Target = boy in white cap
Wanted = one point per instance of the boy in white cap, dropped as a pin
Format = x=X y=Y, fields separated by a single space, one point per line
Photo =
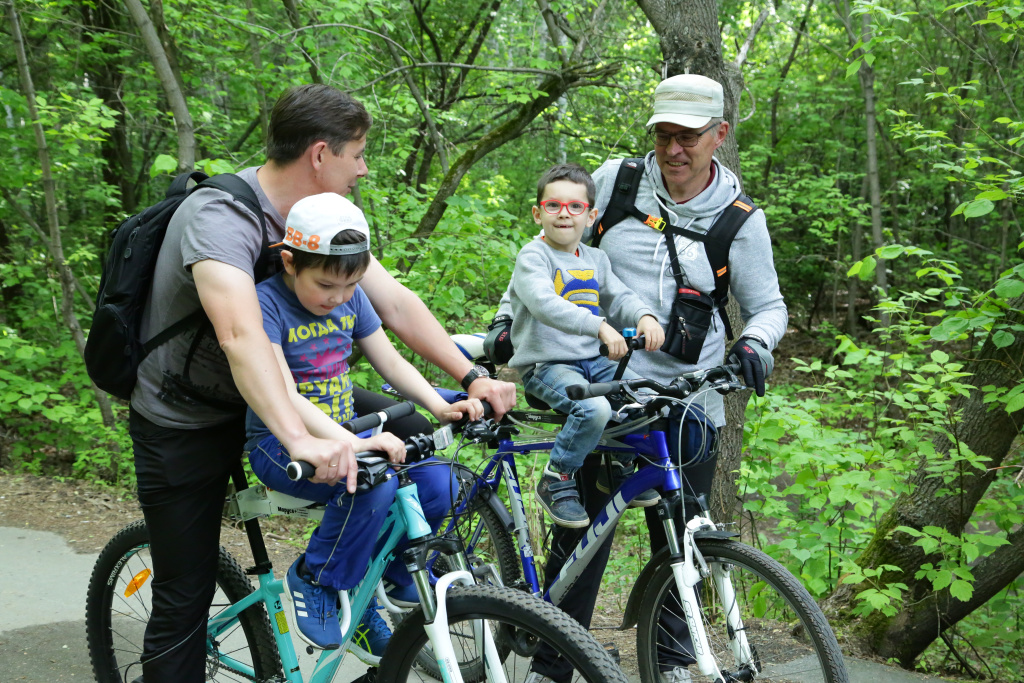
x=681 y=191
x=312 y=313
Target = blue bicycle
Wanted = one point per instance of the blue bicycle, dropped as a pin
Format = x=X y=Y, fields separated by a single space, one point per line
x=747 y=618
x=460 y=631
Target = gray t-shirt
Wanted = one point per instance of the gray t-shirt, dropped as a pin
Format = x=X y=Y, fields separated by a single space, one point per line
x=207 y=225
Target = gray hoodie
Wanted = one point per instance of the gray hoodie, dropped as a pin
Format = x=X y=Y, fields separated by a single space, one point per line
x=639 y=258
x=557 y=299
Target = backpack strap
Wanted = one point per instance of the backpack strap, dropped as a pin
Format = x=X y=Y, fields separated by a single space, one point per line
x=717 y=244
x=623 y=200
x=241 y=192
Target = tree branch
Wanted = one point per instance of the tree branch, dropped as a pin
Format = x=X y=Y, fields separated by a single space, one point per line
x=169 y=81
x=741 y=57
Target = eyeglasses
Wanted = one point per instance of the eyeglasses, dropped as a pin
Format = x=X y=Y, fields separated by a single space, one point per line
x=555 y=206
x=661 y=138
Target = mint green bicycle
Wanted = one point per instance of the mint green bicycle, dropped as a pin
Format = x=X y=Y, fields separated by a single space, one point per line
x=460 y=632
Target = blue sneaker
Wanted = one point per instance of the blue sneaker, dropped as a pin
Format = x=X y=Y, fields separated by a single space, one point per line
x=314 y=609
x=401 y=596
x=371 y=636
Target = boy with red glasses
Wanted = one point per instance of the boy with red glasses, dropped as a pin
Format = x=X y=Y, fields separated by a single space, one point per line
x=559 y=290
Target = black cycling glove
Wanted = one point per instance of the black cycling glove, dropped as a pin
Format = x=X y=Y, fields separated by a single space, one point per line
x=755 y=361
x=498 y=343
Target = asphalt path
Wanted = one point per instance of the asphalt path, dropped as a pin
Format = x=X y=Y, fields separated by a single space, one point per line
x=42 y=617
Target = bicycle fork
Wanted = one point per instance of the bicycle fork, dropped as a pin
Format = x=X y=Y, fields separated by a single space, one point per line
x=688 y=573
x=434 y=600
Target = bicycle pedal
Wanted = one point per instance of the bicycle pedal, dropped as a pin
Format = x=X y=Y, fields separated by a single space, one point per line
x=613 y=651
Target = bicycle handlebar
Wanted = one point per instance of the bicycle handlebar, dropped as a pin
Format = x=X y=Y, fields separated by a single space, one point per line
x=632 y=343
x=681 y=387
x=371 y=466
x=395 y=412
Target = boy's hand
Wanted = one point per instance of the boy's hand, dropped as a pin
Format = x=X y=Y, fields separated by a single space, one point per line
x=652 y=331
x=386 y=442
x=333 y=460
x=471 y=407
x=613 y=340
x=501 y=395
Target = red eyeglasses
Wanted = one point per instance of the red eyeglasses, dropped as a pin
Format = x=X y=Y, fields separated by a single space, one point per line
x=555 y=206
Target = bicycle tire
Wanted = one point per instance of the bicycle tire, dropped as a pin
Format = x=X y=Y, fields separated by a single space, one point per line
x=786 y=629
x=526 y=619
x=116 y=622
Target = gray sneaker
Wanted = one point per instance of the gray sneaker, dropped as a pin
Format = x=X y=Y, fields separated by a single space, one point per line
x=620 y=471
x=680 y=674
x=559 y=496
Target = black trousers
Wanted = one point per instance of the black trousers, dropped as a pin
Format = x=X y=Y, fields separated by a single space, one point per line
x=182 y=478
x=579 y=601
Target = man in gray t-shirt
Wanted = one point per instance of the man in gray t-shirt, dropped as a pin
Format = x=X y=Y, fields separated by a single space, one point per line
x=187 y=410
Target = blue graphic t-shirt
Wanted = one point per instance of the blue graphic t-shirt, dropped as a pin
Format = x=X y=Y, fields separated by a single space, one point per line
x=316 y=348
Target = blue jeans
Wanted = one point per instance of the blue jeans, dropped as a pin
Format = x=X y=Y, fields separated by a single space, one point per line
x=587 y=418
x=340 y=549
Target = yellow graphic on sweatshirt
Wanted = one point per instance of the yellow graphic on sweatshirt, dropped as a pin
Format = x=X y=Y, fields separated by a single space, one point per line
x=579 y=287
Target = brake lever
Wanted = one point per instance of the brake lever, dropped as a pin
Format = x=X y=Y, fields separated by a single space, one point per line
x=479 y=430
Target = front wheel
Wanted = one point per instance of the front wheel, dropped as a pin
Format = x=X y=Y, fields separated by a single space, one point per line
x=119 y=602
x=526 y=624
x=789 y=637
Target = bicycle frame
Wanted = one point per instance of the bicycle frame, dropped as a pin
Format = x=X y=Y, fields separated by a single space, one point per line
x=688 y=565
x=405 y=516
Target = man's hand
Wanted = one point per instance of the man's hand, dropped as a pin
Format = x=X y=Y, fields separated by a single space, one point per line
x=610 y=337
x=501 y=395
x=755 y=361
x=334 y=460
x=652 y=331
x=386 y=442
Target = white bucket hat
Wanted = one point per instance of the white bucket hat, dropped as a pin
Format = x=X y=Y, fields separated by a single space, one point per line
x=315 y=220
x=687 y=100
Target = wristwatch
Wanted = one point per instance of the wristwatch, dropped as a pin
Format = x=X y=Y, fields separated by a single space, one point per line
x=760 y=341
x=475 y=373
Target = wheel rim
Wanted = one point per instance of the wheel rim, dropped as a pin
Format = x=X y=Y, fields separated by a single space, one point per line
x=130 y=609
x=777 y=634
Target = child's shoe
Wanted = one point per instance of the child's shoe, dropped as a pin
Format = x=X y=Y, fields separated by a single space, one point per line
x=314 y=608
x=371 y=636
x=620 y=471
x=401 y=596
x=559 y=496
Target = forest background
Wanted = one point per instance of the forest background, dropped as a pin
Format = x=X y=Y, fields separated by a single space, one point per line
x=882 y=139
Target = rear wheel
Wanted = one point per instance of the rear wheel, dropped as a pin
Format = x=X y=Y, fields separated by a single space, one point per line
x=789 y=637
x=118 y=606
x=522 y=621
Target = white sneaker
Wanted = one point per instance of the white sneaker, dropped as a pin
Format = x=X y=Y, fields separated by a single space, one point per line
x=535 y=677
x=680 y=674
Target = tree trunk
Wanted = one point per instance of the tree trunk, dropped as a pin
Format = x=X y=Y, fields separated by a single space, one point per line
x=106 y=76
x=690 y=39
x=49 y=191
x=170 y=81
x=867 y=82
x=988 y=432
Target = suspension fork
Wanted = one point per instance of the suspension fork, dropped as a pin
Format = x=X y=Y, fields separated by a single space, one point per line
x=521 y=530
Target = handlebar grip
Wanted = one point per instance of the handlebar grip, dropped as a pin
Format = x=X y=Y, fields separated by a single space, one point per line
x=395 y=412
x=633 y=343
x=578 y=392
x=299 y=469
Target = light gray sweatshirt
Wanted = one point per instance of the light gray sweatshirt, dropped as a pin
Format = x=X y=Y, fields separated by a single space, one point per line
x=557 y=298
x=639 y=257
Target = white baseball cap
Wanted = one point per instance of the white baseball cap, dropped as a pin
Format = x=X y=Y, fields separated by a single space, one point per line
x=315 y=220
x=687 y=100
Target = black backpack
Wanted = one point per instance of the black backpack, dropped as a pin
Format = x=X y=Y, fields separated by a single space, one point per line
x=717 y=241
x=114 y=348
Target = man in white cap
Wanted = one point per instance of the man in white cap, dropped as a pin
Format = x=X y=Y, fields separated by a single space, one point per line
x=719 y=243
